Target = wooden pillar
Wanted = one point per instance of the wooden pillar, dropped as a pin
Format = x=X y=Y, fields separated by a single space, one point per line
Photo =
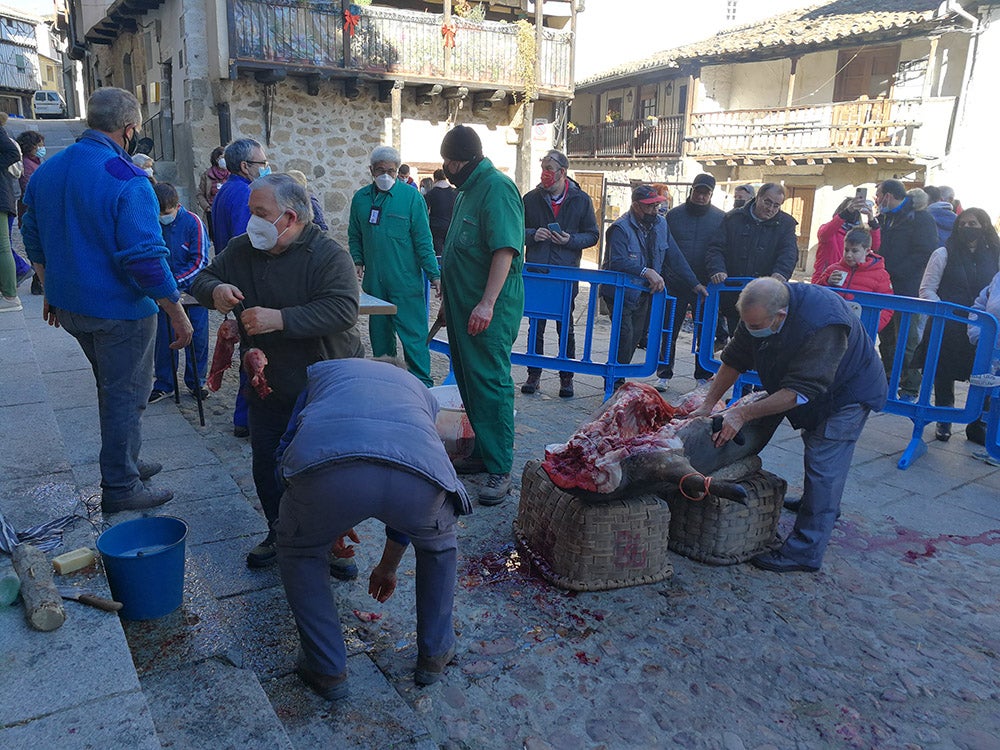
x=692 y=101
x=932 y=64
x=396 y=102
x=791 y=82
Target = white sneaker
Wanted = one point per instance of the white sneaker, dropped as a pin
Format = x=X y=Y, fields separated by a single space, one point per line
x=662 y=384
x=986 y=457
x=10 y=304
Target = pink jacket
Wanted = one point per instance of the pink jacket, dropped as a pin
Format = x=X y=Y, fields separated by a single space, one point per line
x=830 y=247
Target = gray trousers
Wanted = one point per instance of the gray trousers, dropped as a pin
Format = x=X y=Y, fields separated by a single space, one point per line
x=320 y=506
x=826 y=458
x=120 y=353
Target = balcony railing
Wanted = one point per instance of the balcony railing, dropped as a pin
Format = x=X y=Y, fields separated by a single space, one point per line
x=867 y=126
x=388 y=41
x=629 y=138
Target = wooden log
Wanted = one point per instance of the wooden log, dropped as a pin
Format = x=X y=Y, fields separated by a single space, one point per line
x=42 y=602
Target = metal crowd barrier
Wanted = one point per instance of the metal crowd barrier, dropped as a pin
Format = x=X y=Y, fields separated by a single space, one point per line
x=921 y=412
x=548 y=295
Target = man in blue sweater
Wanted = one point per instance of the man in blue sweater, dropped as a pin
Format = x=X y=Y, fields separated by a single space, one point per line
x=246 y=161
x=92 y=233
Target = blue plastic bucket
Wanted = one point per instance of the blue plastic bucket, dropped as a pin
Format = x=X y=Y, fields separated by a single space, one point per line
x=144 y=560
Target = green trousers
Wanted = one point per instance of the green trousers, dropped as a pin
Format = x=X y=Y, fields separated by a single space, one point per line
x=410 y=324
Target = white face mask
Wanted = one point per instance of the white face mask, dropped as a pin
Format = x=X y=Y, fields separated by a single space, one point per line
x=384 y=182
x=167 y=218
x=149 y=172
x=222 y=163
x=263 y=234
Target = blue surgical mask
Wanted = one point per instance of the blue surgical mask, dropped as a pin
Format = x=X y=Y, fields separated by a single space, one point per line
x=166 y=219
x=40 y=152
x=763 y=333
x=264 y=171
x=760 y=333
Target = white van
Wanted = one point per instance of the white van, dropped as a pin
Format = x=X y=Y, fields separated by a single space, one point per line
x=49 y=104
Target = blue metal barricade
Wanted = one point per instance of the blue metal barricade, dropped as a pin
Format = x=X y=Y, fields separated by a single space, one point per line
x=548 y=295
x=912 y=311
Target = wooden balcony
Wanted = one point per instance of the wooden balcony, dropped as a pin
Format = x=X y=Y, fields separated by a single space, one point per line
x=388 y=43
x=877 y=127
x=628 y=139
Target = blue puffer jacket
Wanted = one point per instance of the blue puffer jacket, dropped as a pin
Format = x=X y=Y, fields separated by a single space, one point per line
x=358 y=409
x=628 y=250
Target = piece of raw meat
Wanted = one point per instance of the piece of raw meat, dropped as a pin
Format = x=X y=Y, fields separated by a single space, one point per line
x=254 y=362
x=222 y=358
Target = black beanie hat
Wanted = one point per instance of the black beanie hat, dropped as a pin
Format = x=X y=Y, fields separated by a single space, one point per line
x=461 y=143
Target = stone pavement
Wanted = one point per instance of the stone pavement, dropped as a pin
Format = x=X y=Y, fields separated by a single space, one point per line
x=895 y=643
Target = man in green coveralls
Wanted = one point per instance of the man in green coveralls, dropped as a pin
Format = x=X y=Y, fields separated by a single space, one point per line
x=483 y=302
x=390 y=240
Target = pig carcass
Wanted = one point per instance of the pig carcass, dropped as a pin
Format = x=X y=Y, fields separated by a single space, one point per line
x=639 y=444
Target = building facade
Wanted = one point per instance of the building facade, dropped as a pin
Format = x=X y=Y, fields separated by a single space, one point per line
x=19 y=66
x=822 y=100
x=322 y=83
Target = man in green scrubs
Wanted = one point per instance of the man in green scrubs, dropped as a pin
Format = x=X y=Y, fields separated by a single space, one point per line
x=483 y=302
x=390 y=240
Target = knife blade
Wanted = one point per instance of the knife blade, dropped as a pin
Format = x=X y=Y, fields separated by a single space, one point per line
x=92 y=600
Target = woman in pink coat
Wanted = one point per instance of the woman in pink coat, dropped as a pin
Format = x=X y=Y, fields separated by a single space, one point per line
x=830 y=247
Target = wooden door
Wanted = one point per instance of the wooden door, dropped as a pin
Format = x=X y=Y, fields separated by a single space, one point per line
x=592 y=184
x=866 y=72
x=799 y=203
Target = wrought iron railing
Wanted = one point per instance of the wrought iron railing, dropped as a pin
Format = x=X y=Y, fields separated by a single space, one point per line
x=657 y=137
x=310 y=34
x=161 y=130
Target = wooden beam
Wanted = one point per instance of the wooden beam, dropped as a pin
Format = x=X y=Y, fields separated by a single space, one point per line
x=730 y=162
x=455 y=92
x=769 y=162
x=789 y=162
x=872 y=160
x=747 y=161
x=851 y=160
x=810 y=161
x=827 y=161
x=396 y=96
x=791 y=82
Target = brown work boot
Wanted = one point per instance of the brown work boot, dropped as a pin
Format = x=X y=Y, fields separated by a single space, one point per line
x=139 y=500
x=531 y=384
x=495 y=490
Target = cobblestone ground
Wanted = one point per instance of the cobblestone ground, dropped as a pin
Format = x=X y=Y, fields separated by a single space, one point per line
x=893 y=644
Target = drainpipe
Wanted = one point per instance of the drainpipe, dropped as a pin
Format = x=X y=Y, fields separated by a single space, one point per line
x=953 y=6
x=970 y=58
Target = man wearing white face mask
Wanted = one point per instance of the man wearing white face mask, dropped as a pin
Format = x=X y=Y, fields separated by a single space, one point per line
x=821 y=370
x=246 y=161
x=389 y=236
x=295 y=294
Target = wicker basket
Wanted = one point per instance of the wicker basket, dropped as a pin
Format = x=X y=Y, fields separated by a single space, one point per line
x=723 y=532
x=591 y=547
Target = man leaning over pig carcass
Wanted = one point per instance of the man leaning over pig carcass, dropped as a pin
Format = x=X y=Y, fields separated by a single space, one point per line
x=822 y=371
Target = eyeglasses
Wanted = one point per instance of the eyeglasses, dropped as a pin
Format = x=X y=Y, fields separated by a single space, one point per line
x=376 y=171
x=261 y=163
x=768 y=203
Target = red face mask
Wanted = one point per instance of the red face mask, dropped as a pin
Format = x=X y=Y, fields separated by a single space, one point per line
x=548 y=179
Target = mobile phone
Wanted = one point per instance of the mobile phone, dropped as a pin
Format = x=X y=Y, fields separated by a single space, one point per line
x=861 y=194
x=554 y=227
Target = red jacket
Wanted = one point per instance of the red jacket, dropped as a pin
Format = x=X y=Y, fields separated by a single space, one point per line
x=869 y=276
x=830 y=247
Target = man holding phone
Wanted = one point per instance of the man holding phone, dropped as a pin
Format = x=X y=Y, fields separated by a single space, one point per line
x=559 y=223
